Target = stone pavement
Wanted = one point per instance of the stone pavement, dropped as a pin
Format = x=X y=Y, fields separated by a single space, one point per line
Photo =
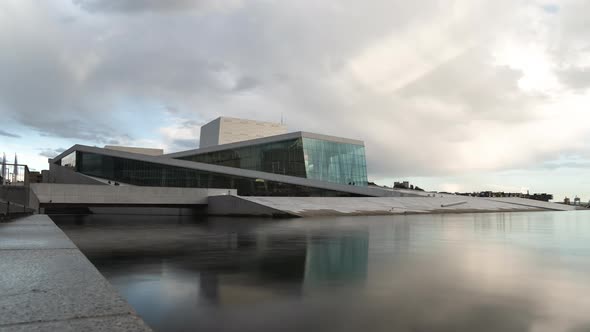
x=318 y=206
x=47 y=284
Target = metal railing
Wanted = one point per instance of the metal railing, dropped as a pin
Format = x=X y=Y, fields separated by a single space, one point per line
x=14 y=191
x=14 y=175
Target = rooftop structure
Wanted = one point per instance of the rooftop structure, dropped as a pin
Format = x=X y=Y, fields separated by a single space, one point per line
x=146 y=151
x=224 y=130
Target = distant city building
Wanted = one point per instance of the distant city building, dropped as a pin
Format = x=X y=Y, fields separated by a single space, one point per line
x=566 y=201
x=35 y=177
x=3 y=175
x=577 y=200
x=539 y=197
x=45 y=176
x=15 y=177
x=406 y=185
x=402 y=185
x=225 y=130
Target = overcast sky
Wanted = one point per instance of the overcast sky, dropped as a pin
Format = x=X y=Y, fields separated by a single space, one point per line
x=452 y=95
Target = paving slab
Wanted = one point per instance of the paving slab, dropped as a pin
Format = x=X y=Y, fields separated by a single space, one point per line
x=125 y=323
x=15 y=235
x=316 y=206
x=47 y=284
x=37 y=219
x=39 y=285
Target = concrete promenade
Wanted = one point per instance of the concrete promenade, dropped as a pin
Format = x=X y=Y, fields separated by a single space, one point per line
x=95 y=195
x=47 y=284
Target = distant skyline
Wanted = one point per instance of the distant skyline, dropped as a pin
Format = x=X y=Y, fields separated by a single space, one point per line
x=451 y=95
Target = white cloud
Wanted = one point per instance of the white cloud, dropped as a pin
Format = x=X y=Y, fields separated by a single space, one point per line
x=181 y=134
x=433 y=87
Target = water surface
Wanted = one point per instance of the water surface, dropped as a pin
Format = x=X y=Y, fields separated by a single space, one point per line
x=464 y=272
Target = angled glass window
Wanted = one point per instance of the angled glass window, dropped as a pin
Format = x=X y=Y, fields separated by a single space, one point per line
x=316 y=159
x=285 y=157
x=69 y=160
x=142 y=173
x=336 y=162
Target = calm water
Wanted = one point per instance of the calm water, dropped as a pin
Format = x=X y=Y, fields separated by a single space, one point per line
x=470 y=272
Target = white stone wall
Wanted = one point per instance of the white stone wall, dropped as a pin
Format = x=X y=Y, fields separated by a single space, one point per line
x=210 y=134
x=145 y=151
x=225 y=130
x=96 y=194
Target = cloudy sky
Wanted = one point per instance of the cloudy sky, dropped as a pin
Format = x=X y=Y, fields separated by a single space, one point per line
x=454 y=95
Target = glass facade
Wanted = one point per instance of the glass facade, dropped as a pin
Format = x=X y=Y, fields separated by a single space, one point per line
x=142 y=173
x=284 y=157
x=315 y=159
x=69 y=160
x=335 y=162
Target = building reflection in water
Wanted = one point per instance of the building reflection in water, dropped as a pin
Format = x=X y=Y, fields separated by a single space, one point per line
x=470 y=272
x=340 y=258
x=170 y=277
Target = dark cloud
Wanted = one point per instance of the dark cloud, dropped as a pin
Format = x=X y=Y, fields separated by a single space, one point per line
x=80 y=130
x=50 y=153
x=171 y=109
x=581 y=164
x=577 y=78
x=192 y=124
x=245 y=83
x=551 y=8
x=492 y=94
x=7 y=134
x=185 y=144
x=134 y=6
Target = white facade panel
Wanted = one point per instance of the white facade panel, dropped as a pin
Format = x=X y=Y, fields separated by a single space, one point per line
x=225 y=130
x=210 y=134
x=145 y=151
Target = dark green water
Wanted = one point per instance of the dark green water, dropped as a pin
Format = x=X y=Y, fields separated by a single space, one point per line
x=466 y=272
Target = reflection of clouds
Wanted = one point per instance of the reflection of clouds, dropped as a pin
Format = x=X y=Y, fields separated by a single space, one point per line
x=168 y=285
x=555 y=292
x=158 y=295
x=337 y=259
x=455 y=274
x=471 y=272
x=176 y=284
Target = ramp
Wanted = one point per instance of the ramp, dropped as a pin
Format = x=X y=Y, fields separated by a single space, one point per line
x=323 y=206
x=229 y=205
